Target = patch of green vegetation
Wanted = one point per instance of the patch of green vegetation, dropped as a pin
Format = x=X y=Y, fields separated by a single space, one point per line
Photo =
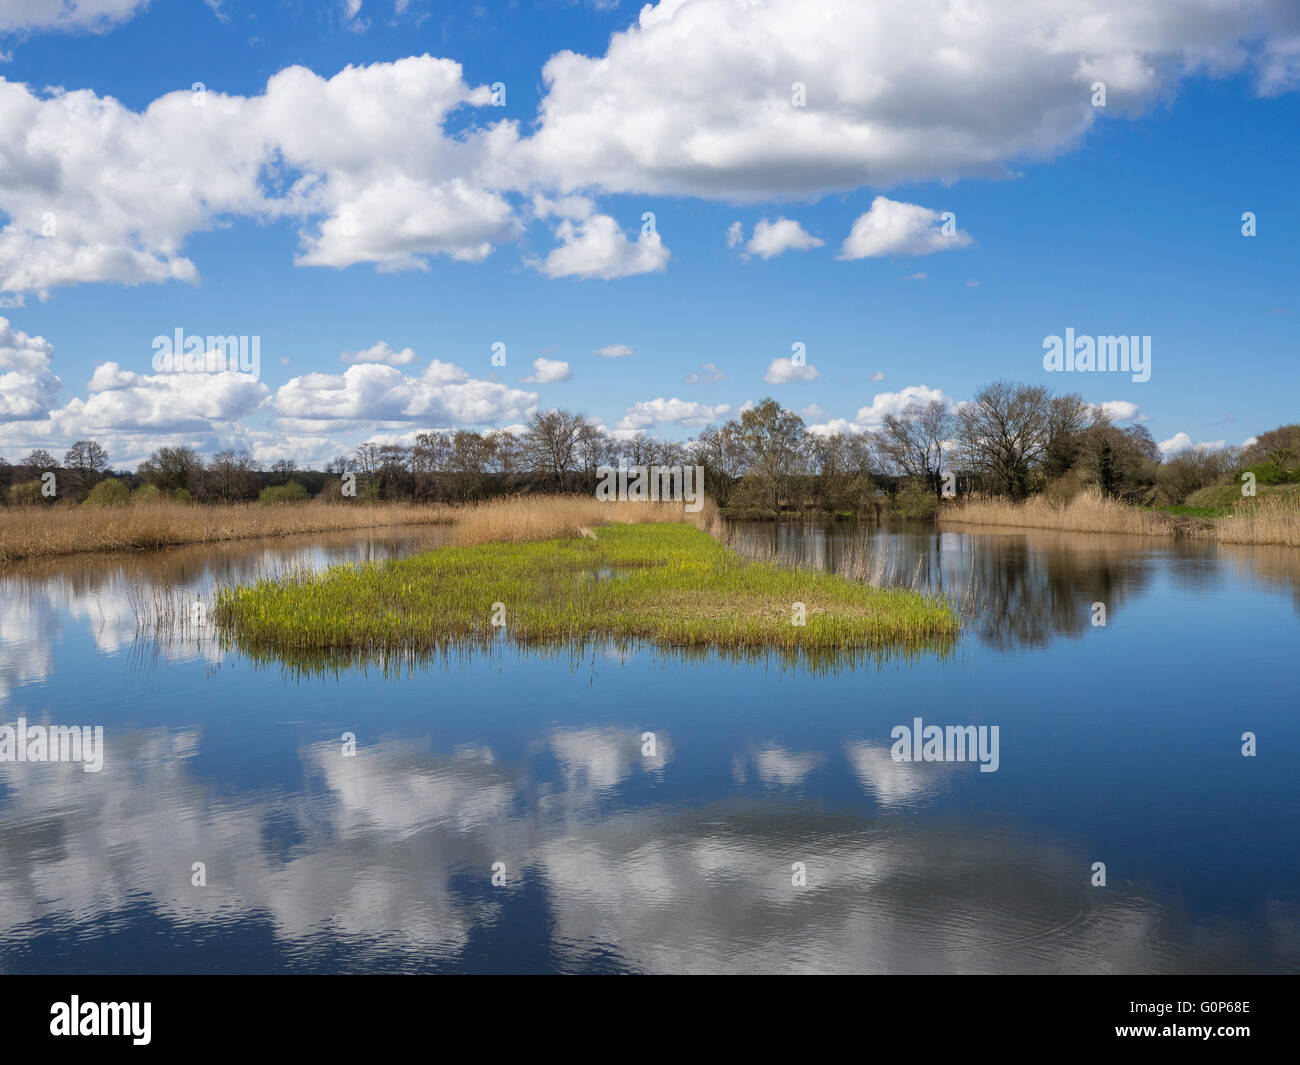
x=1185 y=510
x=667 y=584
x=290 y=492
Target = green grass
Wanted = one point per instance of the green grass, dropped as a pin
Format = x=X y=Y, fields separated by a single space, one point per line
x=667 y=584
x=1185 y=510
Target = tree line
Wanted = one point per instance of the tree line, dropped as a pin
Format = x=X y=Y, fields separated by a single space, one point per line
x=1010 y=440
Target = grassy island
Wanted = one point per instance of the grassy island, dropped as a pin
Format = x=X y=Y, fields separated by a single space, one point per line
x=667 y=583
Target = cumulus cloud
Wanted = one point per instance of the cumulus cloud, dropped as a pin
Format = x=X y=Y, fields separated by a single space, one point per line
x=735 y=235
x=442 y=396
x=548 y=371
x=692 y=99
x=1180 y=442
x=674 y=411
x=95 y=191
x=1120 y=410
x=614 y=351
x=28 y=386
x=871 y=417
x=695 y=97
x=380 y=352
x=784 y=371
x=773 y=238
x=894 y=228
x=596 y=247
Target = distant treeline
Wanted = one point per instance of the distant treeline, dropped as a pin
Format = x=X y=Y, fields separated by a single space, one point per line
x=1011 y=440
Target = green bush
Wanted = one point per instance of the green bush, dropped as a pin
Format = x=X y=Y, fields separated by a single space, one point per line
x=914 y=501
x=26 y=493
x=1271 y=473
x=291 y=492
x=147 y=493
x=109 y=493
x=183 y=495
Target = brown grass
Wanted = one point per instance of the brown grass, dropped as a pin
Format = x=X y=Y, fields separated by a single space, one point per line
x=51 y=531
x=1087 y=512
x=553 y=517
x=44 y=531
x=1272 y=520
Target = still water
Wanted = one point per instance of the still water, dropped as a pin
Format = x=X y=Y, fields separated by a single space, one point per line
x=1119 y=744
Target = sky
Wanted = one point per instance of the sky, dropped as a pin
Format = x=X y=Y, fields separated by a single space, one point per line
x=652 y=216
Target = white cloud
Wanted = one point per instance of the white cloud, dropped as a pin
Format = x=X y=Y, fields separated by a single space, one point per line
x=695 y=98
x=784 y=371
x=380 y=352
x=870 y=418
x=878 y=376
x=773 y=238
x=28 y=386
x=97 y=192
x=596 y=247
x=674 y=411
x=1182 y=442
x=894 y=228
x=46 y=15
x=707 y=374
x=915 y=277
x=1121 y=410
x=548 y=371
x=735 y=235
x=692 y=99
x=614 y=351
x=443 y=395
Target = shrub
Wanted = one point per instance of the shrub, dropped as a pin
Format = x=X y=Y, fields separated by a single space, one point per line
x=183 y=495
x=148 y=493
x=914 y=501
x=26 y=493
x=290 y=492
x=109 y=493
x=1270 y=473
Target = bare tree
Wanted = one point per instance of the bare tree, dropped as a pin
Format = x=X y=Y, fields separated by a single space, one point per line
x=551 y=442
x=1004 y=433
x=87 y=460
x=913 y=442
x=173 y=468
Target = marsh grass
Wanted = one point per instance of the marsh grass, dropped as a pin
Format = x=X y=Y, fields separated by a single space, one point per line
x=43 y=531
x=1272 y=519
x=668 y=584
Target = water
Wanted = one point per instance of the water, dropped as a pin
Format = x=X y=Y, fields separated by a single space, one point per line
x=1118 y=744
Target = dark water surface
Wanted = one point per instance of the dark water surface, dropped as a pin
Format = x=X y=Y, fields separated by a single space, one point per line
x=1119 y=744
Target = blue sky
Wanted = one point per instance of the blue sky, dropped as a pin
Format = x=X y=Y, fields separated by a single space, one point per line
x=442 y=224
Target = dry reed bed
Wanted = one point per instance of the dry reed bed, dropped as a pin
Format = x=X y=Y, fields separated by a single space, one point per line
x=45 y=531
x=1270 y=521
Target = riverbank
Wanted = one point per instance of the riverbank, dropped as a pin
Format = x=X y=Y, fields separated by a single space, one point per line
x=36 y=532
x=1271 y=521
x=33 y=532
x=670 y=583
